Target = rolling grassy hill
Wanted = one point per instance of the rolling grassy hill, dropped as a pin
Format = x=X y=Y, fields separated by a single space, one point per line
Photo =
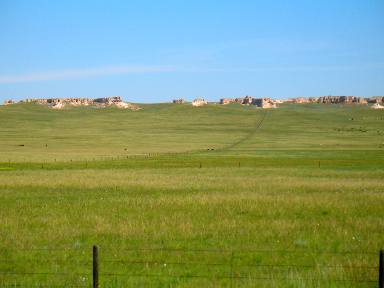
x=177 y=196
x=37 y=133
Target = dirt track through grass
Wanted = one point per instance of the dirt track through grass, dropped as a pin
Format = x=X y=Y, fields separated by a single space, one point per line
x=251 y=134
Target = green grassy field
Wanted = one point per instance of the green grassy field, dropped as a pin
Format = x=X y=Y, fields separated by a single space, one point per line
x=176 y=196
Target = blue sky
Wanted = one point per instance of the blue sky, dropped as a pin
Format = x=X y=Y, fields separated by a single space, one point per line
x=154 y=51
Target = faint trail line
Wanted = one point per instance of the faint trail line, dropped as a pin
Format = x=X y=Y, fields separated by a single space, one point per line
x=257 y=126
x=248 y=136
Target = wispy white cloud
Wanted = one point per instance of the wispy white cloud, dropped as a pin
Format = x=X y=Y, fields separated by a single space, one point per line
x=290 y=68
x=81 y=73
x=111 y=70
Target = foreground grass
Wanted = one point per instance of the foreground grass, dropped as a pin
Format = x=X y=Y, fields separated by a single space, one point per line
x=277 y=209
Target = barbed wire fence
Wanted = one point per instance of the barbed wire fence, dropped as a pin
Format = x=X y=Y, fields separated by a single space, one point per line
x=126 y=267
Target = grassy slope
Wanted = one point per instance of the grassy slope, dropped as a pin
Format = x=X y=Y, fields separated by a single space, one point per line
x=309 y=178
x=95 y=133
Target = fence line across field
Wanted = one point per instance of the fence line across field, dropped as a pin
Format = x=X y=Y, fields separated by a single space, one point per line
x=241 y=265
x=170 y=249
x=100 y=266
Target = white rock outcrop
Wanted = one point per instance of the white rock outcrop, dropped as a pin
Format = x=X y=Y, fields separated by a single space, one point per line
x=199 y=102
x=377 y=106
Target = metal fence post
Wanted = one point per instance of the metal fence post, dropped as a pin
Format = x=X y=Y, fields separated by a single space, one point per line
x=381 y=269
x=95 y=266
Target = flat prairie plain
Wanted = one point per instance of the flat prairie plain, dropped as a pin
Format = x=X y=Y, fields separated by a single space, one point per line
x=178 y=196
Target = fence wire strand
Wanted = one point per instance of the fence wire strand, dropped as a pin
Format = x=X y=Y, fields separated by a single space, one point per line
x=232 y=261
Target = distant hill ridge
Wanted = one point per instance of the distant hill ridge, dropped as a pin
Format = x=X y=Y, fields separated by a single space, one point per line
x=60 y=103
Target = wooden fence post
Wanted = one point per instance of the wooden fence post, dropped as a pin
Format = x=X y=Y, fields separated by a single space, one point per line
x=95 y=266
x=381 y=269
